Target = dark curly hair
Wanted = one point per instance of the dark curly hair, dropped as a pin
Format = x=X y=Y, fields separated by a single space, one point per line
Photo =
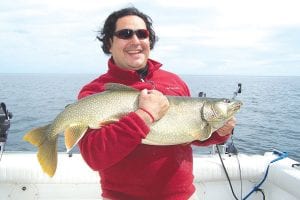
x=107 y=32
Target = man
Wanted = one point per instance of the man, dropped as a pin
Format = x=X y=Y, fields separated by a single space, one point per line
x=129 y=169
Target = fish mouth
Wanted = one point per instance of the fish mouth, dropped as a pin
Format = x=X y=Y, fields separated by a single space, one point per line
x=238 y=105
x=235 y=106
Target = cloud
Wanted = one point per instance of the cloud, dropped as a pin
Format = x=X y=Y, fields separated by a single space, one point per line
x=233 y=13
x=259 y=14
x=210 y=37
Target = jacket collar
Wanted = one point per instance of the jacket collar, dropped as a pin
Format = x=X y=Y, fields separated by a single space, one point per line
x=120 y=73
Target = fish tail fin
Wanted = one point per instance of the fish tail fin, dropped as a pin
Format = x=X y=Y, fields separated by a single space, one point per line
x=73 y=134
x=47 y=156
x=36 y=136
x=47 y=149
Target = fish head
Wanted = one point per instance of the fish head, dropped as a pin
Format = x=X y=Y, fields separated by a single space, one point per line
x=218 y=111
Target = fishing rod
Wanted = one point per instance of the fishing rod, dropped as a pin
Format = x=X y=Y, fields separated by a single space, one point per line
x=231 y=149
x=238 y=91
x=5 y=117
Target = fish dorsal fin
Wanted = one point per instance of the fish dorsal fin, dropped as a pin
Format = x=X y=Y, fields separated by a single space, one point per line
x=73 y=134
x=118 y=87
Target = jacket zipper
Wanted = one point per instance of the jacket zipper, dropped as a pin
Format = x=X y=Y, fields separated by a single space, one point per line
x=144 y=80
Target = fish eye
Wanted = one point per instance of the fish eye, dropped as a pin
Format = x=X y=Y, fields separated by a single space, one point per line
x=227 y=101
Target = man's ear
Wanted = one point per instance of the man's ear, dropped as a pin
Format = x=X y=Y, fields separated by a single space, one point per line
x=110 y=44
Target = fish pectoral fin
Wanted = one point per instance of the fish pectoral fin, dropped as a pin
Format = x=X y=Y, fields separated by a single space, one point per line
x=205 y=133
x=73 y=134
x=195 y=135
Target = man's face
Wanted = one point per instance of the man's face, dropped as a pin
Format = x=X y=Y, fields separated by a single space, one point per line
x=133 y=53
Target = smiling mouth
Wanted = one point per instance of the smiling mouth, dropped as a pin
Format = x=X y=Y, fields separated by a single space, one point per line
x=134 y=51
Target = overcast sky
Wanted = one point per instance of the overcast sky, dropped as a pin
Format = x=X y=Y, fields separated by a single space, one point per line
x=212 y=37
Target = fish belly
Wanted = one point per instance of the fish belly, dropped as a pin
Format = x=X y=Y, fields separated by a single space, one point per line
x=181 y=124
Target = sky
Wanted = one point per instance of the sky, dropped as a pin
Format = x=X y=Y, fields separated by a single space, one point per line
x=212 y=37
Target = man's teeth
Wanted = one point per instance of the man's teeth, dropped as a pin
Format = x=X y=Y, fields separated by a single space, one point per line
x=134 y=51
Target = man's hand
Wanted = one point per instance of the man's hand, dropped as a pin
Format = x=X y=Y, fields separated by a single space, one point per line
x=227 y=128
x=153 y=104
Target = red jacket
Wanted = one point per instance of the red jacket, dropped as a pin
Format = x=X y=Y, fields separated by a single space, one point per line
x=129 y=169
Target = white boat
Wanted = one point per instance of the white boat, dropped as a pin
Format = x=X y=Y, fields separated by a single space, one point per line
x=22 y=178
x=271 y=176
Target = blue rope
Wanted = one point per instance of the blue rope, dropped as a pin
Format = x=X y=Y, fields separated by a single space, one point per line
x=281 y=155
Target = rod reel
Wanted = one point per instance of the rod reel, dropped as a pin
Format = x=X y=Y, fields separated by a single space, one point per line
x=5 y=117
x=228 y=147
x=238 y=91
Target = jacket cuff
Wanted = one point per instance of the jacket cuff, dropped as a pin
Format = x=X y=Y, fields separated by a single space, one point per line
x=141 y=126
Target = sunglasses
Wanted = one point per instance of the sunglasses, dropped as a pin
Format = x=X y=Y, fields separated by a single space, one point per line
x=126 y=34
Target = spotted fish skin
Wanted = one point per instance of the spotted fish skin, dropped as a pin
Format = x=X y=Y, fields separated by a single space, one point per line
x=187 y=119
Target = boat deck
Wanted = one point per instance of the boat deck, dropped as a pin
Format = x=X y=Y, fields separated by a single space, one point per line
x=22 y=178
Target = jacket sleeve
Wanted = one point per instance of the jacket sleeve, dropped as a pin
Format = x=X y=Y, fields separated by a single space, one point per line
x=102 y=148
x=214 y=139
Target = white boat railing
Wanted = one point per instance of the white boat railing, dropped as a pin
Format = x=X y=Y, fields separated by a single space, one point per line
x=22 y=178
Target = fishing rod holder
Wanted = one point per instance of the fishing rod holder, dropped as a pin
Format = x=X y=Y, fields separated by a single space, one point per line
x=5 y=117
x=238 y=91
x=201 y=94
x=228 y=147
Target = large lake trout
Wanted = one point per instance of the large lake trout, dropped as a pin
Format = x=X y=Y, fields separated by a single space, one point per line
x=187 y=119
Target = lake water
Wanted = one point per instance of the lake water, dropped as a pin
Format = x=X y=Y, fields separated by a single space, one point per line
x=269 y=118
